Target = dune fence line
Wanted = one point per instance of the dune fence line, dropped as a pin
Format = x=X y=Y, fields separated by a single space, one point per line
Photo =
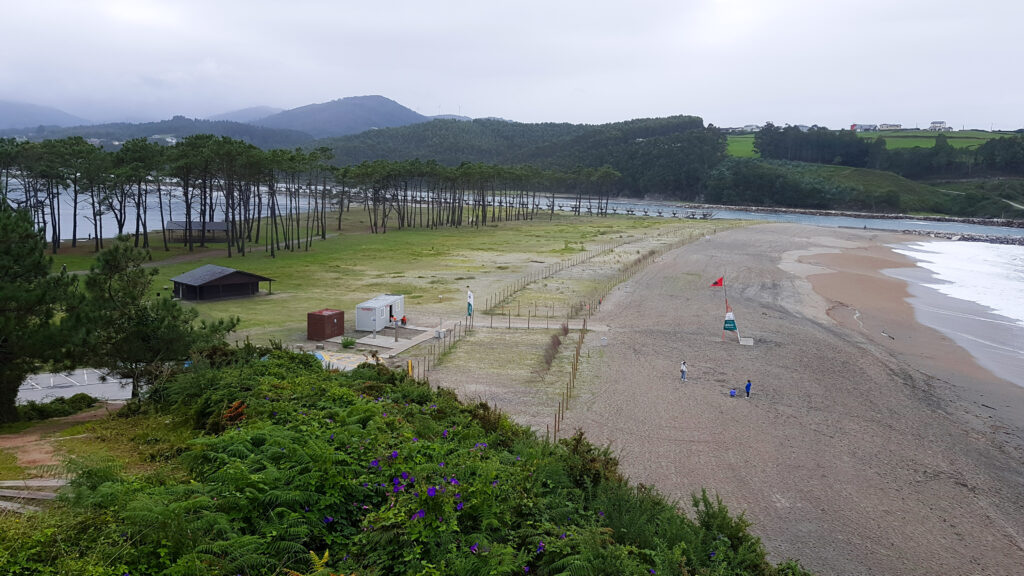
x=505 y=308
x=508 y=292
x=566 y=394
x=444 y=340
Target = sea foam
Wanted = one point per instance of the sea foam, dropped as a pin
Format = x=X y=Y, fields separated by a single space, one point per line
x=991 y=275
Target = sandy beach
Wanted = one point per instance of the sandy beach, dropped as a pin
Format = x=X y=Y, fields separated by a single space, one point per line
x=871 y=444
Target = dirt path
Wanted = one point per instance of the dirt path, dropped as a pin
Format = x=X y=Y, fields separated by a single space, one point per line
x=34 y=447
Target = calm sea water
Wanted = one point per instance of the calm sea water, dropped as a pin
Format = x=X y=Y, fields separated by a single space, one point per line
x=974 y=293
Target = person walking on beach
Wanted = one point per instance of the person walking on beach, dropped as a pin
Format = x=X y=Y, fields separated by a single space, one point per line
x=682 y=371
x=748 y=388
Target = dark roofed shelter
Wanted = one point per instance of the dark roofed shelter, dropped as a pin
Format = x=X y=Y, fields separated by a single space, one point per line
x=211 y=281
x=177 y=231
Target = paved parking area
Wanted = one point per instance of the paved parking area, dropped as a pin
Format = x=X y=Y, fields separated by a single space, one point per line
x=45 y=387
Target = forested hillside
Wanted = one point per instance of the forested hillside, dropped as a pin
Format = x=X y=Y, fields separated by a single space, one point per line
x=667 y=157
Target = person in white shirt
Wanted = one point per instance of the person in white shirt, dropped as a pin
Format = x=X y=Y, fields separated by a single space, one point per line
x=682 y=371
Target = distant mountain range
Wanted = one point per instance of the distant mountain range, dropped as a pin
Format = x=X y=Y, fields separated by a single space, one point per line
x=168 y=132
x=262 y=126
x=24 y=115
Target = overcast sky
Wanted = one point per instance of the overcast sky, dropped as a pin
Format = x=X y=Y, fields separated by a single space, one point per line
x=732 y=62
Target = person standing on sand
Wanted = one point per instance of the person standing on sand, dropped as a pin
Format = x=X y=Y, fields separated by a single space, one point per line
x=748 y=388
x=682 y=371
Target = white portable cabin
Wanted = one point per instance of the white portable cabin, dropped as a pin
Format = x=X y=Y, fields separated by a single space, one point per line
x=376 y=313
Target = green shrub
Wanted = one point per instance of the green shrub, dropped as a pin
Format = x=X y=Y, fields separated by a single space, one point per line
x=348 y=342
x=56 y=408
x=385 y=474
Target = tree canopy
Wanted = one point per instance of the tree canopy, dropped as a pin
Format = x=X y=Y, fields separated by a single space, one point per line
x=31 y=297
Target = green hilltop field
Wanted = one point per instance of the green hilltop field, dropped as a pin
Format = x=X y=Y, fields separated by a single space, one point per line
x=742 y=145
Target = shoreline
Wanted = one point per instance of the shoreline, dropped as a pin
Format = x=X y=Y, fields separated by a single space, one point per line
x=876 y=293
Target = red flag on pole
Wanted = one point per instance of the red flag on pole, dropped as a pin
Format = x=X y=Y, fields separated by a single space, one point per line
x=719 y=282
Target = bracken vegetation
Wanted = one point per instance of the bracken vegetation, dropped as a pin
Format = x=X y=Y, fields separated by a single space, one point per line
x=294 y=469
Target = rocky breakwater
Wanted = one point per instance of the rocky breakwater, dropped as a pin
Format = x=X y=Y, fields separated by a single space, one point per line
x=880 y=216
x=990 y=238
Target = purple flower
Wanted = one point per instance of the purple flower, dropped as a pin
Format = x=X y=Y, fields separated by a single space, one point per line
x=432 y=491
x=415 y=439
x=540 y=547
x=457 y=495
x=562 y=536
x=526 y=569
x=454 y=481
x=441 y=464
x=651 y=570
x=444 y=434
x=458 y=506
x=405 y=475
x=394 y=453
x=601 y=513
x=495 y=483
x=712 y=554
x=419 y=514
x=328 y=519
x=375 y=463
x=433 y=405
x=332 y=436
x=473 y=548
x=384 y=414
x=306 y=508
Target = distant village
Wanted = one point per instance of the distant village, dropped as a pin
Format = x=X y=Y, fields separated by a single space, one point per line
x=936 y=126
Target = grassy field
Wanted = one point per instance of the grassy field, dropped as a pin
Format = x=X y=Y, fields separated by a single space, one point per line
x=741 y=146
x=896 y=139
x=430 y=267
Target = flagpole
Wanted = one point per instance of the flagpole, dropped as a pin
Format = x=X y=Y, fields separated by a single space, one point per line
x=725 y=291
